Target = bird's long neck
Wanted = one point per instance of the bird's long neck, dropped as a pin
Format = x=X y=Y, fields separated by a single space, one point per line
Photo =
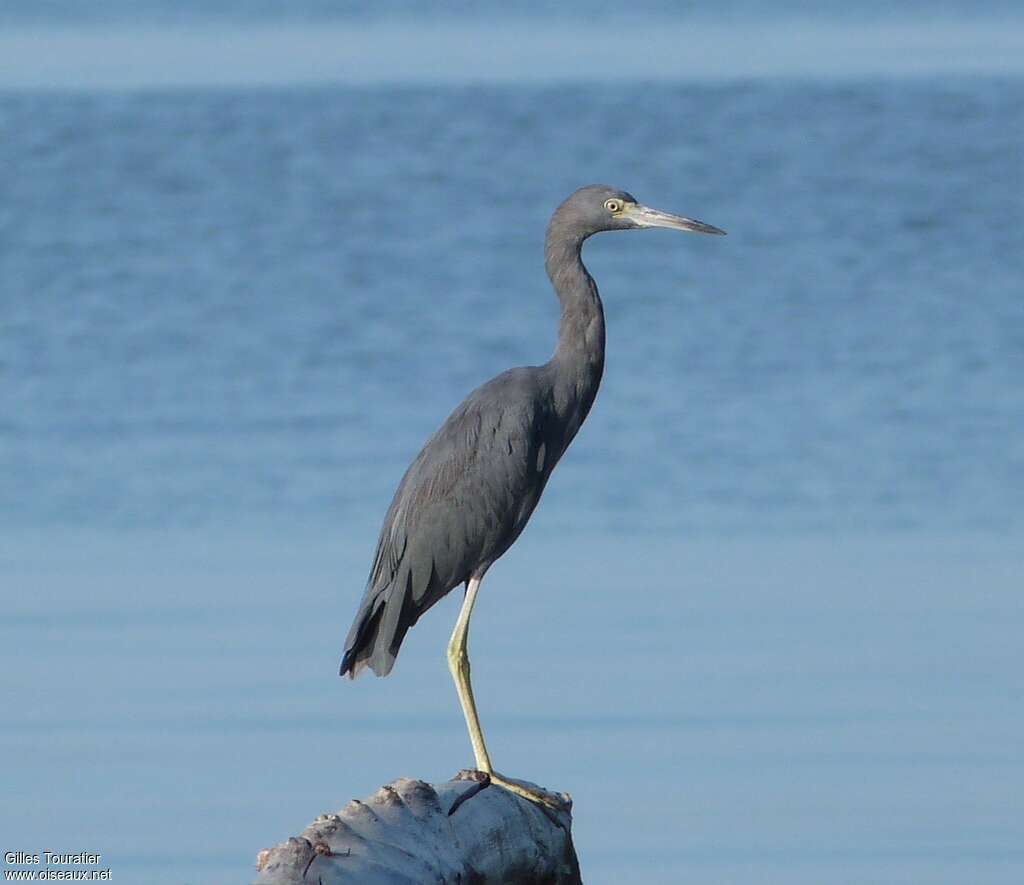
x=578 y=362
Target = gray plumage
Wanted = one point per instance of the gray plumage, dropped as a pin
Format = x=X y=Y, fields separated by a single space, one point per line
x=471 y=490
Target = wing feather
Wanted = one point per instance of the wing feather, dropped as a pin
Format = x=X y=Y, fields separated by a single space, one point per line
x=462 y=502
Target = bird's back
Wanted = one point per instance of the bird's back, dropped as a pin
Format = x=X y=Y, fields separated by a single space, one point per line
x=461 y=504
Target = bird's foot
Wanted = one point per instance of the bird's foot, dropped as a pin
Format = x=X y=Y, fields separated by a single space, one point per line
x=553 y=801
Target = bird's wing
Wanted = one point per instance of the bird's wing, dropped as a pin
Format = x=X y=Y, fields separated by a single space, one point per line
x=459 y=506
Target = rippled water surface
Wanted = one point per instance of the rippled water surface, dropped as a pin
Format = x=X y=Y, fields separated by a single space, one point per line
x=765 y=626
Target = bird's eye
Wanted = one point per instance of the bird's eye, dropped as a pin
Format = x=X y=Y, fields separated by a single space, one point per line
x=613 y=205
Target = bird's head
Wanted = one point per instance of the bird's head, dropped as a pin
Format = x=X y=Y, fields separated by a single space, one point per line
x=597 y=208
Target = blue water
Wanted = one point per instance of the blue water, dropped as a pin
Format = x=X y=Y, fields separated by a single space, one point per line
x=69 y=12
x=765 y=625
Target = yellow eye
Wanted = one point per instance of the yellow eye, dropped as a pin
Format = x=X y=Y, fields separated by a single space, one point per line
x=613 y=205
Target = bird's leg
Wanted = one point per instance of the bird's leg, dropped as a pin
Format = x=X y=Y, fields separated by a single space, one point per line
x=458 y=664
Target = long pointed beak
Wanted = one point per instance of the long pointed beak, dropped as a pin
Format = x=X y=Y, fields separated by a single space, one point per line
x=645 y=216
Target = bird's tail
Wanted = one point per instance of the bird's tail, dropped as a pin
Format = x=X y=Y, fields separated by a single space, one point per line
x=362 y=638
x=380 y=625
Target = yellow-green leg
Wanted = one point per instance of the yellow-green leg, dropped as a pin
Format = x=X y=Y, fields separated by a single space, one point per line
x=458 y=663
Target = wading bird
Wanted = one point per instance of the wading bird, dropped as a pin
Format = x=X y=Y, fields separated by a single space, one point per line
x=469 y=493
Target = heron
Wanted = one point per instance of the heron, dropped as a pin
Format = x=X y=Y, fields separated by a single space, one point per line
x=470 y=491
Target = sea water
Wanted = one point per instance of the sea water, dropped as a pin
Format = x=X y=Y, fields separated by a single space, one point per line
x=765 y=625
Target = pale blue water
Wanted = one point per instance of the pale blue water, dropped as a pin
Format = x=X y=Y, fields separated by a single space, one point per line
x=766 y=624
x=69 y=12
